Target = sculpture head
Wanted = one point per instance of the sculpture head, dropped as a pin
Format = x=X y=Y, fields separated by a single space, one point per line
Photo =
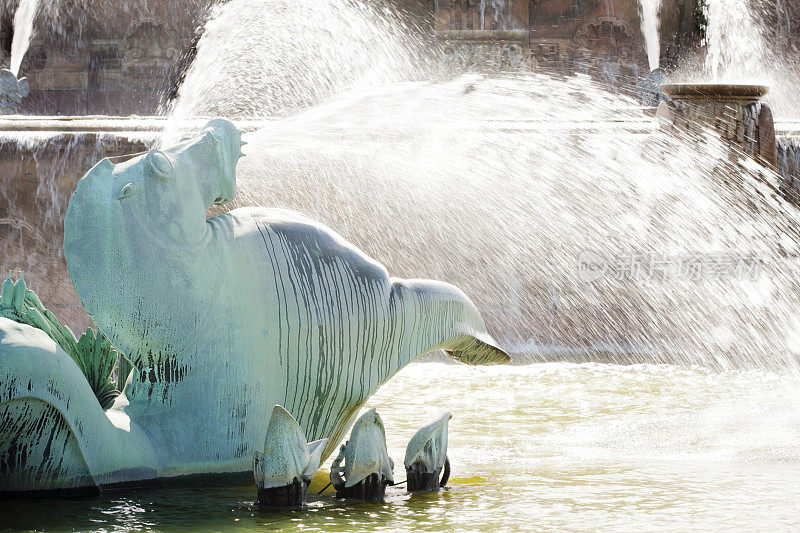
x=128 y=222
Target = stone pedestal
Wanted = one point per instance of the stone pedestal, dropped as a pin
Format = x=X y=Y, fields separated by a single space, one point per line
x=789 y=166
x=734 y=111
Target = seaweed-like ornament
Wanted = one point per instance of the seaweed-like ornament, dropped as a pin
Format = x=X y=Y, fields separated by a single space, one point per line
x=93 y=353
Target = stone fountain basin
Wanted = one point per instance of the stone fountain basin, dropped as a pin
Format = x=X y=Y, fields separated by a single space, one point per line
x=704 y=92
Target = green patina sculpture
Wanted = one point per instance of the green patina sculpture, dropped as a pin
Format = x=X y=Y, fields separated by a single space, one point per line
x=283 y=470
x=222 y=318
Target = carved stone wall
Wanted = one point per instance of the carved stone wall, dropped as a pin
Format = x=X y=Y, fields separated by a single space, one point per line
x=121 y=57
x=103 y=56
x=106 y=57
x=487 y=50
x=597 y=37
x=486 y=15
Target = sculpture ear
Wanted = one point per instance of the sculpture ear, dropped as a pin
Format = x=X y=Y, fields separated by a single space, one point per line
x=160 y=164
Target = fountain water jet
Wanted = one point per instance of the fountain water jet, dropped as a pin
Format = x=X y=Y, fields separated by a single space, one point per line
x=735 y=56
x=650 y=26
x=479 y=190
x=270 y=58
x=734 y=42
x=23 y=32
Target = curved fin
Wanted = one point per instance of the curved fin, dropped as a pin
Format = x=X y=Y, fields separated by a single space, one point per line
x=286 y=454
x=365 y=452
x=428 y=446
x=33 y=367
x=315 y=450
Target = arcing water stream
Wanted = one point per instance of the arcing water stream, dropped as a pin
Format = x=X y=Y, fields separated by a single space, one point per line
x=23 y=32
x=417 y=175
x=268 y=58
x=499 y=185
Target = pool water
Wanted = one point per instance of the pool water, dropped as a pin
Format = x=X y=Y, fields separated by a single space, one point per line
x=553 y=446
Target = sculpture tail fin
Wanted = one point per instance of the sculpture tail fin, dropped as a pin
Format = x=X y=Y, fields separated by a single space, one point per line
x=476 y=351
x=442 y=317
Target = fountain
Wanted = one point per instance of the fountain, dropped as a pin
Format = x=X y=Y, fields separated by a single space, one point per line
x=726 y=103
x=646 y=273
x=734 y=110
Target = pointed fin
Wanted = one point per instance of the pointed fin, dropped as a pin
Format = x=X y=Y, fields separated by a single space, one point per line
x=429 y=445
x=314 y=457
x=474 y=351
x=366 y=452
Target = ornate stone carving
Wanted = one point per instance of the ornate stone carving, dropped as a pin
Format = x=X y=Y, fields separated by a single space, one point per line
x=148 y=46
x=487 y=50
x=606 y=36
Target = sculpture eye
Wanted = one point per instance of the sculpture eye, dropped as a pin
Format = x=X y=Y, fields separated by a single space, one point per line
x=160 y=163
x=126 y=191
